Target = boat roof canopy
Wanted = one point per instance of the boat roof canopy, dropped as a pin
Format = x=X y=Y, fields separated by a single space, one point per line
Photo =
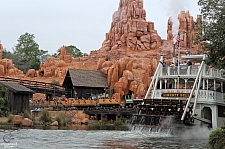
x=193 y=57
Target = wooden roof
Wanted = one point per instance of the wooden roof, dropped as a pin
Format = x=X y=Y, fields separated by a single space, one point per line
x=87 y=78
x=16 y=88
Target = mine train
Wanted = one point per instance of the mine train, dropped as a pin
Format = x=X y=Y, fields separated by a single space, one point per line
x=101 y=100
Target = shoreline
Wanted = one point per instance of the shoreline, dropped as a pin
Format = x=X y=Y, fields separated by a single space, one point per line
x=92 y=125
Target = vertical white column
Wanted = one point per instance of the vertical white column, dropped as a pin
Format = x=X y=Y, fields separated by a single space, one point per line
x=203 y=83
x=221 y=84
x=165 y=83
x=175 y=83
x=214 y=116
x=185 y=84
x=207 y=84
x=214 y=87
x=160 y=84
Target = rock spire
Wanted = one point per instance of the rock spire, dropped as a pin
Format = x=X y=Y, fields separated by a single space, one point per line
x=129 y=29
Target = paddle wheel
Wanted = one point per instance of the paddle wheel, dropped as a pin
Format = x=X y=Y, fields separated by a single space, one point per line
x=163 y=113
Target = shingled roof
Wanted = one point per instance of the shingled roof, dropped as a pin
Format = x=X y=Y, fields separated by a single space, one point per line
x=16 y=88
x=87 y=78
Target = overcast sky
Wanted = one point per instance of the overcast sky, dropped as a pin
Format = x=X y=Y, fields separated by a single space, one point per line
x=82 y=23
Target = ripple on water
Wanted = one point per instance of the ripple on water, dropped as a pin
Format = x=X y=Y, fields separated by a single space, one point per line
x=98 y=139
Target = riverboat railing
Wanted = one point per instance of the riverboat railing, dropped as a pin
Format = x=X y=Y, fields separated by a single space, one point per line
x=203 y=95
x=191 y=70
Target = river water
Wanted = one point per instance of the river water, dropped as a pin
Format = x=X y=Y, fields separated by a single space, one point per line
x=85 y=137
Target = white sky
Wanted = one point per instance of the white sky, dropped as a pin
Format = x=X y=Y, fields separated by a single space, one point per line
x=82 y=23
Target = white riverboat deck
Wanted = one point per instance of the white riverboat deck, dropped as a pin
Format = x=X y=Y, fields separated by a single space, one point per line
x=201 y=87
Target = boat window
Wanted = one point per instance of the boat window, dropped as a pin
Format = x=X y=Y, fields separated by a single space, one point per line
x=223 y=88
x=221 y=110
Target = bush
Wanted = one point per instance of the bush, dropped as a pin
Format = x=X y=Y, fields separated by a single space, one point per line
x=4 y=107
x=33 y=119
x=100 y=123
x=45 y=117
x=217 y=139
x=124 y=120
x=61 y=119
x=118 y=122
x=10 y=118
x=2 y=93
x=26 y=114
x=14 y=112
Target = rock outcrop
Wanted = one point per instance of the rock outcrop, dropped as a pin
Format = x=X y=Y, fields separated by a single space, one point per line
x=188 y=29
x=57 y=67
x=130 y=31
x=16 y=120
x=55 y=123
x=128 y=75
x=27 y=122
x=170 y=30
x=7 y=69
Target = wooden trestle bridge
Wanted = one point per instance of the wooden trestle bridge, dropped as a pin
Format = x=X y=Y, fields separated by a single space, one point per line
x=39 y=87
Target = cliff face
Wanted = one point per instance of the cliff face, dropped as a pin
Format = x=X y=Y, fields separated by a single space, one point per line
x=129 y=54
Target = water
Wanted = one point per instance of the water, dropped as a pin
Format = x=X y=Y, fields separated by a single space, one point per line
x=84 y=137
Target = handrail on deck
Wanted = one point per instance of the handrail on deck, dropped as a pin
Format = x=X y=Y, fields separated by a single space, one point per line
x=191 y=70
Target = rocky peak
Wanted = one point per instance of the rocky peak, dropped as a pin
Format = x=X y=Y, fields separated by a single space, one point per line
x=130 y=31
x=188 y=29
x=170 y=30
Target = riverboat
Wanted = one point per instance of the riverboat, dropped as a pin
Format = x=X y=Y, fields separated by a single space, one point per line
x=183 y=96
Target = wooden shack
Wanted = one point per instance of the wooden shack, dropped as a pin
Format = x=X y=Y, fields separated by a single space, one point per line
x=17 y=95
x=84 y=83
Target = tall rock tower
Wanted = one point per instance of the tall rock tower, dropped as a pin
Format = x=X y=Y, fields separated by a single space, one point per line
x=188 y=29
x=129 y=29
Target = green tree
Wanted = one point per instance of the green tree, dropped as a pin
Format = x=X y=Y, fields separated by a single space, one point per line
x=217 y=138
x=4 y=105
x=213 y=28
x=6 y=54
x=15 y=58
x=29 y=53
x=72 y=50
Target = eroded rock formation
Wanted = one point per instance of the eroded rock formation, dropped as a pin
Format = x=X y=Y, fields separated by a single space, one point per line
x=188 y=29
x=129 y=29
x=7 y=69
x=57 y=67
x=170 y=30
x=128 y=75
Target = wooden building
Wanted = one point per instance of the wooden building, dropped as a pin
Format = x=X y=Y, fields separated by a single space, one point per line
x=84 y=83
x=17 y=95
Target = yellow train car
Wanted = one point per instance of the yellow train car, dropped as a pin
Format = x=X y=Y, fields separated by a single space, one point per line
x=108 y=102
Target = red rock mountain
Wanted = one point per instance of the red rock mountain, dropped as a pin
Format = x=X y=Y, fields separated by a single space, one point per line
x=129 y=54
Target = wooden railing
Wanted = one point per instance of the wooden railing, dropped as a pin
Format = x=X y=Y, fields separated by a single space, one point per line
x=37 y=86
